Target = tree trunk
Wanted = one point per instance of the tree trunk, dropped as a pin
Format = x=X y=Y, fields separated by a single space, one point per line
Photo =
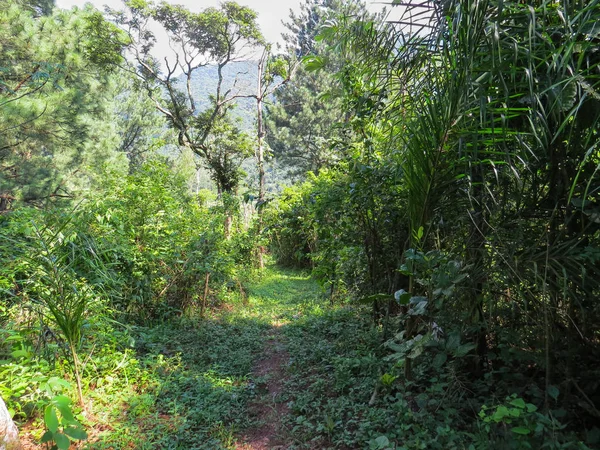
x=475 y=257
x=9 y=435
x=228 y=224
x=205 y=297
x=260 y=156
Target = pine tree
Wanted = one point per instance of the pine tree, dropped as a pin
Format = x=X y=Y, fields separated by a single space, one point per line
x=302 y=124
x=55 y=104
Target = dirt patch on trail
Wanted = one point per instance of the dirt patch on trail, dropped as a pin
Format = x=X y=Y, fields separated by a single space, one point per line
x=268 y=409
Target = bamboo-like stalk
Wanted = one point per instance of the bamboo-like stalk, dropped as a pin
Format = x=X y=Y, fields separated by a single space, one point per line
x=76 y=370
x=205 y=296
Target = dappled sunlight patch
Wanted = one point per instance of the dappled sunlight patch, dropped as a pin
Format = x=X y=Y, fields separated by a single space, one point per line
x=291 y=275
x=278 y=323
x=183 y=404
x=187 y=383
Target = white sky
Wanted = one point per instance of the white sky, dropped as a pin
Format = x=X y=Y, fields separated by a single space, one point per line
x=270 y=13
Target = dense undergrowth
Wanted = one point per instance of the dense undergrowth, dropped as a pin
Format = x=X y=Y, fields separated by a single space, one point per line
x=184 y=383
x=463 y=211
x=82 y=289
x=187 y=383
x=342 y=396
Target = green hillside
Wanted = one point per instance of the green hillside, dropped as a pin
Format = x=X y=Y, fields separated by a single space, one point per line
x=239 y=77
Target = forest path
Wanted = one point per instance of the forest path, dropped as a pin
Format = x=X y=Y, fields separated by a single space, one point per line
x=269 y=408
x=221 y=382
x=280 y=296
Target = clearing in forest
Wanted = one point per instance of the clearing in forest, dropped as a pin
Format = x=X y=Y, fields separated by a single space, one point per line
x=208 y=384
x=284 y=370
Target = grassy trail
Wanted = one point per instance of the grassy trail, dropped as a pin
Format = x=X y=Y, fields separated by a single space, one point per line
x=281 y=297
x=211 y=384
x=283 y=370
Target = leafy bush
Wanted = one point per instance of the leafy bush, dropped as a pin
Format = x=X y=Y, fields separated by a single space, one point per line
x=345 y=224
x=62 y=427
x=73 y=281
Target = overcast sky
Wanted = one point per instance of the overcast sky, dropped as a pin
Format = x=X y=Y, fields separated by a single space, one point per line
x=270 y=12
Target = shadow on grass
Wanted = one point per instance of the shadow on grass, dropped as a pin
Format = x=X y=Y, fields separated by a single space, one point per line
x=188 y=385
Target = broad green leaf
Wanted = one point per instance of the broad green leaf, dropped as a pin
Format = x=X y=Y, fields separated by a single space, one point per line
x=382 y=441
x=453 y=342
x=553 y=392
x=402 y=297
x=62 y=441
x=66 y=412
x=501 y=413
x=50 y=418
x=47 y=437
x=399 y=348
x=56 y=383
x=19 y=354
x=439 y=360
x=514 y=412
x=76 y=433
x=463 y=350
x=418 y=307
x=521 y=430
x=61 y=400
x=518 y=402
x=417 y=299
x=404 y=270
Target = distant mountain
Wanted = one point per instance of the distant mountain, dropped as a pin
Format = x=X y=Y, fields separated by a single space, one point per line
x=240 y=77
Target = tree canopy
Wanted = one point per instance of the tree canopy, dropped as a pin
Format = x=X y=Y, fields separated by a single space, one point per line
x=215 y=36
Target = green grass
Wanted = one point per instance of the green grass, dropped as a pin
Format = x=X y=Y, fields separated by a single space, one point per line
x=189 y=388
x=337 y=363
x=187 y=384
x=282 y=295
